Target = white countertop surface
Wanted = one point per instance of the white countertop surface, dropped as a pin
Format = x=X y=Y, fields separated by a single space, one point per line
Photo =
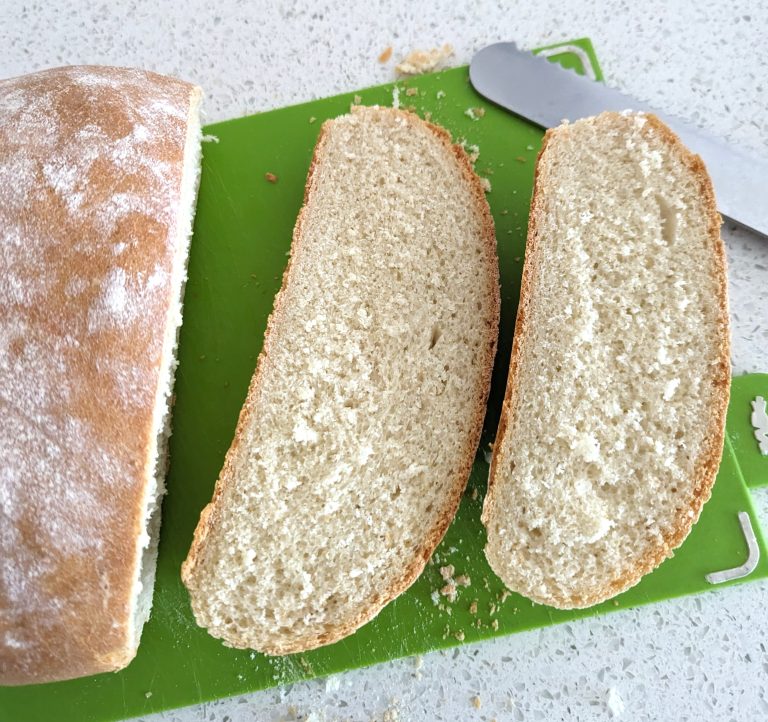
x=703 y=657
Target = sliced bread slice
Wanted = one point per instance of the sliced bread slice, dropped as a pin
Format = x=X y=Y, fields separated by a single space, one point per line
x=612 y=426
x=364 y=414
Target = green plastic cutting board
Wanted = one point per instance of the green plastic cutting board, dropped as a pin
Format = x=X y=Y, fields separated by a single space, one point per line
x=242 y=237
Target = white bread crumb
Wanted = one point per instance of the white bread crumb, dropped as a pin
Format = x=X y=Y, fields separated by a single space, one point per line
x=423 y=61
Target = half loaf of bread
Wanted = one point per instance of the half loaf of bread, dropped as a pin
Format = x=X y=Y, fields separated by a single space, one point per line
x=364 y=414
x=98 y=177
x=612 y=426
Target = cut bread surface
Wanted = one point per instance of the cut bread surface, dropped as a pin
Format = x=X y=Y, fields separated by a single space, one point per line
x=157 y=459
x=612 y=426
x=364 y=414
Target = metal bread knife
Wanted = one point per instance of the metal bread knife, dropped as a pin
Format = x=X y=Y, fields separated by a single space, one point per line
x=545 y=93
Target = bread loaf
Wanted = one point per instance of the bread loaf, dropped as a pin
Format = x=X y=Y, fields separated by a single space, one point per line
x=612 y=426
x=98 y=176
x=363 y=416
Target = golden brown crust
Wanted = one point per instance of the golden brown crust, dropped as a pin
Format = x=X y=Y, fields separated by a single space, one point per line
x=209 y=517
x=84 y=226
x=707 y=465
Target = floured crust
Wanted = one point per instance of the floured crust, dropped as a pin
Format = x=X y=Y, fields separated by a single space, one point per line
x=708 y=463
x=211 y=514
x=91 y=166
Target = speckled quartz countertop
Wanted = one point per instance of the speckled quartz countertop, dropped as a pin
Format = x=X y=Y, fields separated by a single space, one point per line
x=698 y=658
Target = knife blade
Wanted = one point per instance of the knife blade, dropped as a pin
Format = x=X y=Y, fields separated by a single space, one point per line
x=546 y=93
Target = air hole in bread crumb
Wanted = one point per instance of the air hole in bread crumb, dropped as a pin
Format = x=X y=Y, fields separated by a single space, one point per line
x=435 y=337
x=668 y=221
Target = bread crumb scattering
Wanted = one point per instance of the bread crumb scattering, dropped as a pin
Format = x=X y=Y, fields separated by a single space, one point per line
x=270 y=177
x=449 y=591
x=477 y=703
x=386 y=54
x=423 y=61
x=391 y=715
x=357 y=100
x=440 y=94
x=459 y=635
x=312 y=119
x=446 y=572
x=486 y=184
x=410 y=92
x=473 y=607
x=475 y=494
x=209 y=138
x=495 y=625
x=463 y=581
x=474 y=113
x=471 y=149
